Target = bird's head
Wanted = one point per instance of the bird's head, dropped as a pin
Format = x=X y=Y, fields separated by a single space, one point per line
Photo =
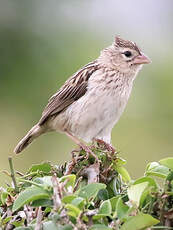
x=125 y=56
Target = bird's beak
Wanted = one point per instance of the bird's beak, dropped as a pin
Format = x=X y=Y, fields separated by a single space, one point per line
x=141 y=59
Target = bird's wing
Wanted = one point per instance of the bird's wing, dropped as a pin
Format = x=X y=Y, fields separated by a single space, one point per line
x=74 y=88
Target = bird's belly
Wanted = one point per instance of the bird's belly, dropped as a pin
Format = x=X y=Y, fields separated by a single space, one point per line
x=91 y=114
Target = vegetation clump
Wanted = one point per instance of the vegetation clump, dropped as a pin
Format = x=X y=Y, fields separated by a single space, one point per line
x=84 y=194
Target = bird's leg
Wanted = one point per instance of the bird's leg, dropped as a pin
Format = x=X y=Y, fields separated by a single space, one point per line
x=105 y=145
x=82 y=145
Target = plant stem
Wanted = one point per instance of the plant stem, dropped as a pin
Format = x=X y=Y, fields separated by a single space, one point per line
x=31 y=182
x=13 y=174
x=39 y=219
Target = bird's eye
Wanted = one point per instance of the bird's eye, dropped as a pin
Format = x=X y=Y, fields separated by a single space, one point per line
x=127 y=53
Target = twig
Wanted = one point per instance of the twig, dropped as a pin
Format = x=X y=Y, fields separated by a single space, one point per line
x=29 y=213
x=90 y=214
x=4 y=215
x=19 y=173
x=106 y=171
x=56 y=193
x=92 y=173
x=39 y=219
x=77 y=183
x=13 y=174
x=6 y=173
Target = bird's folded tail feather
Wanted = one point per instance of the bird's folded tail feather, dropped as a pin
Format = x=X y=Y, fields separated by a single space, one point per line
x=35 y=132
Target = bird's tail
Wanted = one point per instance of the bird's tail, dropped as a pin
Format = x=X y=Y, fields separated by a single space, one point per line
x=35 y=132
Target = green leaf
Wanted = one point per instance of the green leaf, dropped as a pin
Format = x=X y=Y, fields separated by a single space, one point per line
x=50 y=225
x=55 y=217
x=103 y=194
x=105 y=208
x=98 y=216
x=30 y=194
x=151 y=181
x=114 y=201
x=155 y=169
x=119 y=162
x=136 y=191
x=43 y=203
x=152 y=187
x=71 y=179
x=4 y=196
x=18 y=223
x=121 y=209
x=65 y=227
x=170 y=176
x=90 y=191
x=139 y=222
x=68 y=199
x=45 y=181
x=124 y=173
x=78 y=202
x=73 y=210
x=100 y=227
x=25 y=228
x=161 y=227
x=7 y=219
x=168 y=162
x=115 y=185
x=44 y=167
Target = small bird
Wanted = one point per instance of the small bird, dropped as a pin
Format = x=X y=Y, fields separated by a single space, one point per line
x=92 y=100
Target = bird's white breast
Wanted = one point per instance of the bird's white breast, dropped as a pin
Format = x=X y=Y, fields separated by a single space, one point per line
x=95 y=113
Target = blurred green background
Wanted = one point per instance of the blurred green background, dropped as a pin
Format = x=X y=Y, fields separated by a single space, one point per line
x=43 y=42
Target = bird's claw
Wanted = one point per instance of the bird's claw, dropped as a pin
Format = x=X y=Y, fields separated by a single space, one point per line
x=105 y=145
x=89 y=152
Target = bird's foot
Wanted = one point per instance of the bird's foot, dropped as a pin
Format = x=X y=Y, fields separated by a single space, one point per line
x=89 y=152
x=83 y=146
x=105 y=145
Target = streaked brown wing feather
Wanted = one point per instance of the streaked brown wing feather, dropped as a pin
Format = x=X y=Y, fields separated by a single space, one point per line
x=74 y=88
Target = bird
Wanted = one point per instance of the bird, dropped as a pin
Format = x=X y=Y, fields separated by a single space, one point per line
x=91 y=101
